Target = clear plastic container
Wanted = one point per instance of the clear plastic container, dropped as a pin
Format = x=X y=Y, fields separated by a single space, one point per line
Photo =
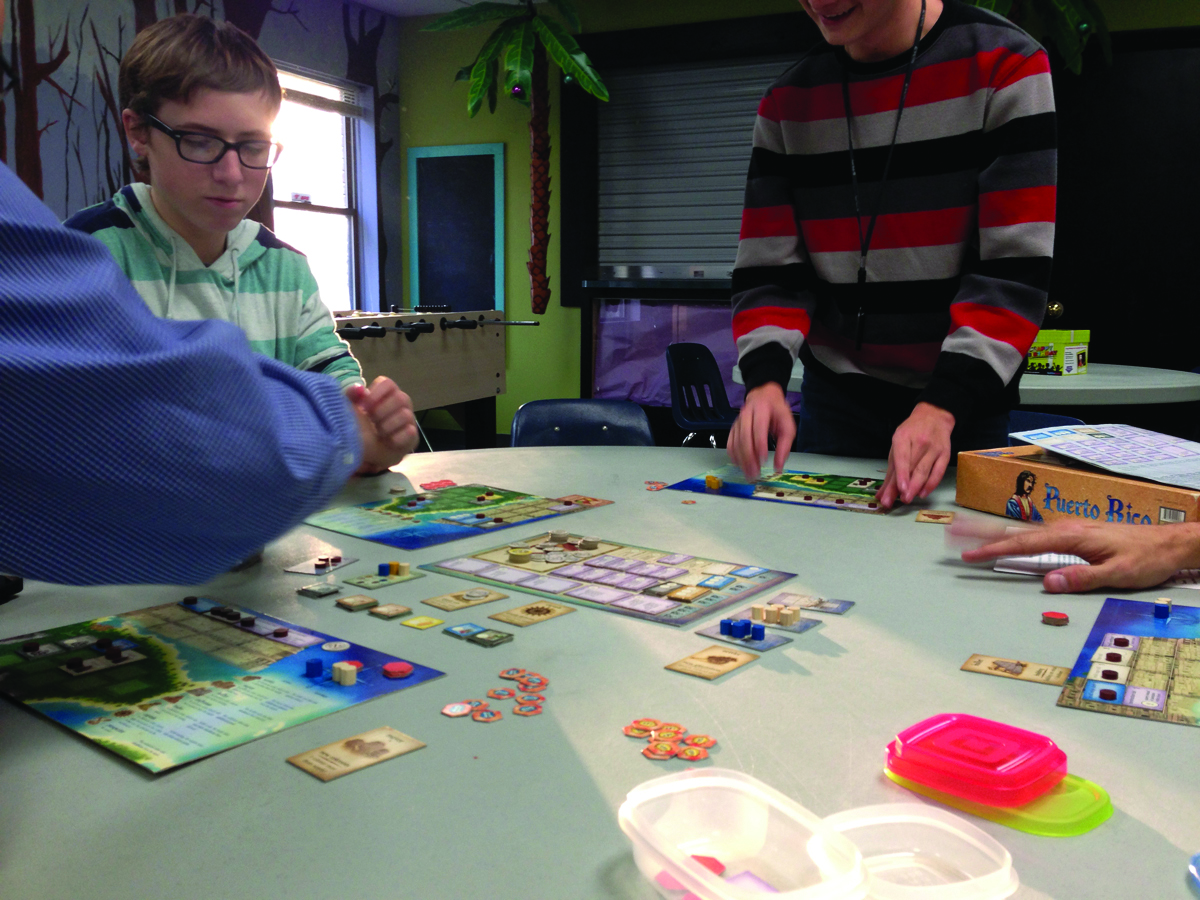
x=1074 y=806
x=916 y=851
x=977 y=759
x=746 y=825
x=716 y=834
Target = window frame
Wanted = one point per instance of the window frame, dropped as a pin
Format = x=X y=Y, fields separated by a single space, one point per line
x=362 y=198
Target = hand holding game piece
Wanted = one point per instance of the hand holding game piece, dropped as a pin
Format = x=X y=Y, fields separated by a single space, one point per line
x=386 y=423
x=764 y=414
x=1120 y=556
x=920 y=454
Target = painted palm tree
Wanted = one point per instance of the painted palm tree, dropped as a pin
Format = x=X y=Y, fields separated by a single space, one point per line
x=514 y=58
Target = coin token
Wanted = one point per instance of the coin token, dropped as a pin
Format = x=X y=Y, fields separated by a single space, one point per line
x=673 y=726
x=335 y=646
x=634 y=732
x=692 y=753
x=501 y=693
x=527 y=709
x=477 y=704
x=487 y=715
x=454 y=710
x=648 y=724
x=476 y=594
x=512 y=674
x=659 y=750
x=667 y=735
x=700 y=740
x=531 y=698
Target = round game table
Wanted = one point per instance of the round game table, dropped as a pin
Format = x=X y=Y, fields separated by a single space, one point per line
x=525 y=808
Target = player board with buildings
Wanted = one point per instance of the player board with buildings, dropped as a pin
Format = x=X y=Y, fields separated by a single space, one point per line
x=411 y=522
x=657 y=585
x=789 y=486
x=170 y=684
x=1141 y=660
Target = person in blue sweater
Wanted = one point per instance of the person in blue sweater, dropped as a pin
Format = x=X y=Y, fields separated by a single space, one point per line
x=167 y=446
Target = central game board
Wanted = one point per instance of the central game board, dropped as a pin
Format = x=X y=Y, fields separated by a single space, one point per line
x=672 y=588
x=1134 y=664
x=174 y=683
x=789 y=486
x=447 y=514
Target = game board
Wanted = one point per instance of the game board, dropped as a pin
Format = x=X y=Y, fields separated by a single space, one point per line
x=191 y=681
x=617 y=577
x=790 y=486
x=447 y=514
x=1158 y=672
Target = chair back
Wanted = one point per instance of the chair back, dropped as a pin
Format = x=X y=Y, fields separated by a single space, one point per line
x=581 y=423
x=698 y=398
x=1027 y=420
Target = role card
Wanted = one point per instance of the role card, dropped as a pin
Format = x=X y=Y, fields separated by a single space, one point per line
x=354 y=753
x=464 y=599
x=532 y=613
x=712 y=662
x=1018 y=669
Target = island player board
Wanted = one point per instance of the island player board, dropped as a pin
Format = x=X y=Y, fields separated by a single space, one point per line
x=447 y=514
x=789 y=486
x=170 y=684
x=1136 y=664
x=657 y=585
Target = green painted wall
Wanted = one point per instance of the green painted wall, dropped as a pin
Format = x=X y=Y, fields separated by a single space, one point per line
x=543 y=362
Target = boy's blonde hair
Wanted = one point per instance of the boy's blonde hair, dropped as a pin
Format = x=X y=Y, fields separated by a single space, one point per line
x=175 y=57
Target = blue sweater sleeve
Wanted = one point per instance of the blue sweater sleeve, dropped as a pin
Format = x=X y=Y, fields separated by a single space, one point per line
x=135 y=449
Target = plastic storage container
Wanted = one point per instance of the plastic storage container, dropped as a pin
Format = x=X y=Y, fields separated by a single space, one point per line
x=916 y=851
x=977 y=759
x=716 y=834
x=1073 y=806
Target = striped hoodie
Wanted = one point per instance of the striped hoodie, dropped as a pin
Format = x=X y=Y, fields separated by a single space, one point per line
x=259 y=283
x=959 y=264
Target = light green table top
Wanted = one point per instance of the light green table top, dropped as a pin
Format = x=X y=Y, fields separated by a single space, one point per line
x=526 y=808
x=1103 y=385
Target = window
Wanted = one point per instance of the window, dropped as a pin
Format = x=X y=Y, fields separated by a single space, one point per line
x=324 y=185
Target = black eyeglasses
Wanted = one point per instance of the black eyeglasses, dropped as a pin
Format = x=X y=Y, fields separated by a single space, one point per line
x=194 y=146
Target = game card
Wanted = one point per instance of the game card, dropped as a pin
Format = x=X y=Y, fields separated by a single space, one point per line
x=373 y=582
x=935 y=516
x=532 y=613
x=390 y=611
x=712 y=662
x=354 y=753
x=769 y=641
x=1013 y=668
x=464 y=599
x=807 y=601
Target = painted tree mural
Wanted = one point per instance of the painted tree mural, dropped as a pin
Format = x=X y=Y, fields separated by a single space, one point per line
x=521 y=44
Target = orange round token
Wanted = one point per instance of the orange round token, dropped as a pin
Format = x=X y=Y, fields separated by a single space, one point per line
x=700 y=740
x=688 y=502
x=647 y=723
x=634 y=732
x=692 y=753
x=667 y=735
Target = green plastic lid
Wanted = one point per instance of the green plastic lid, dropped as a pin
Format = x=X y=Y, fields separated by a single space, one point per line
x=1074 y=806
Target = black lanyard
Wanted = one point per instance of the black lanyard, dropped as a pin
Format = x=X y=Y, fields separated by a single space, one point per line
x=864 y=241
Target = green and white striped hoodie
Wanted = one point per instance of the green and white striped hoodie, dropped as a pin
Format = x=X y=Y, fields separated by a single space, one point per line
x=259 y=283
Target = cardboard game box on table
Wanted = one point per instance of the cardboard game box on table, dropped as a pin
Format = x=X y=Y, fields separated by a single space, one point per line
x=1058 y=352
x=999 y=481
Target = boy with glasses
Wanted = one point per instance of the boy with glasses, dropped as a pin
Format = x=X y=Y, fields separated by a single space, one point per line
x=198 y=100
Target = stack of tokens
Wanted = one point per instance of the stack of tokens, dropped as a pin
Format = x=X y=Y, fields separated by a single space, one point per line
x=528 y=698
x=669 y=739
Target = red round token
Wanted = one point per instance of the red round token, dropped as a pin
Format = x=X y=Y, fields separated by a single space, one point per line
x=397 y=669
x=1055 y=618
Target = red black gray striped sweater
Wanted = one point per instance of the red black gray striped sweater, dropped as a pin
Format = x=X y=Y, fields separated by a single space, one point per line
x=959 y=264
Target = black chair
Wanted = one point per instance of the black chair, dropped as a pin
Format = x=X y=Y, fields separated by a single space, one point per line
x=699 y=403
x=581 y=423
x=1026 y=420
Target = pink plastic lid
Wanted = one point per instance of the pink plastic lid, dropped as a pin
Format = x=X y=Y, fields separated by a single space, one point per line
x=977 y=759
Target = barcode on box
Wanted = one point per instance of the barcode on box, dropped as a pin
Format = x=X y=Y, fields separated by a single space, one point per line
x=1169 y=516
